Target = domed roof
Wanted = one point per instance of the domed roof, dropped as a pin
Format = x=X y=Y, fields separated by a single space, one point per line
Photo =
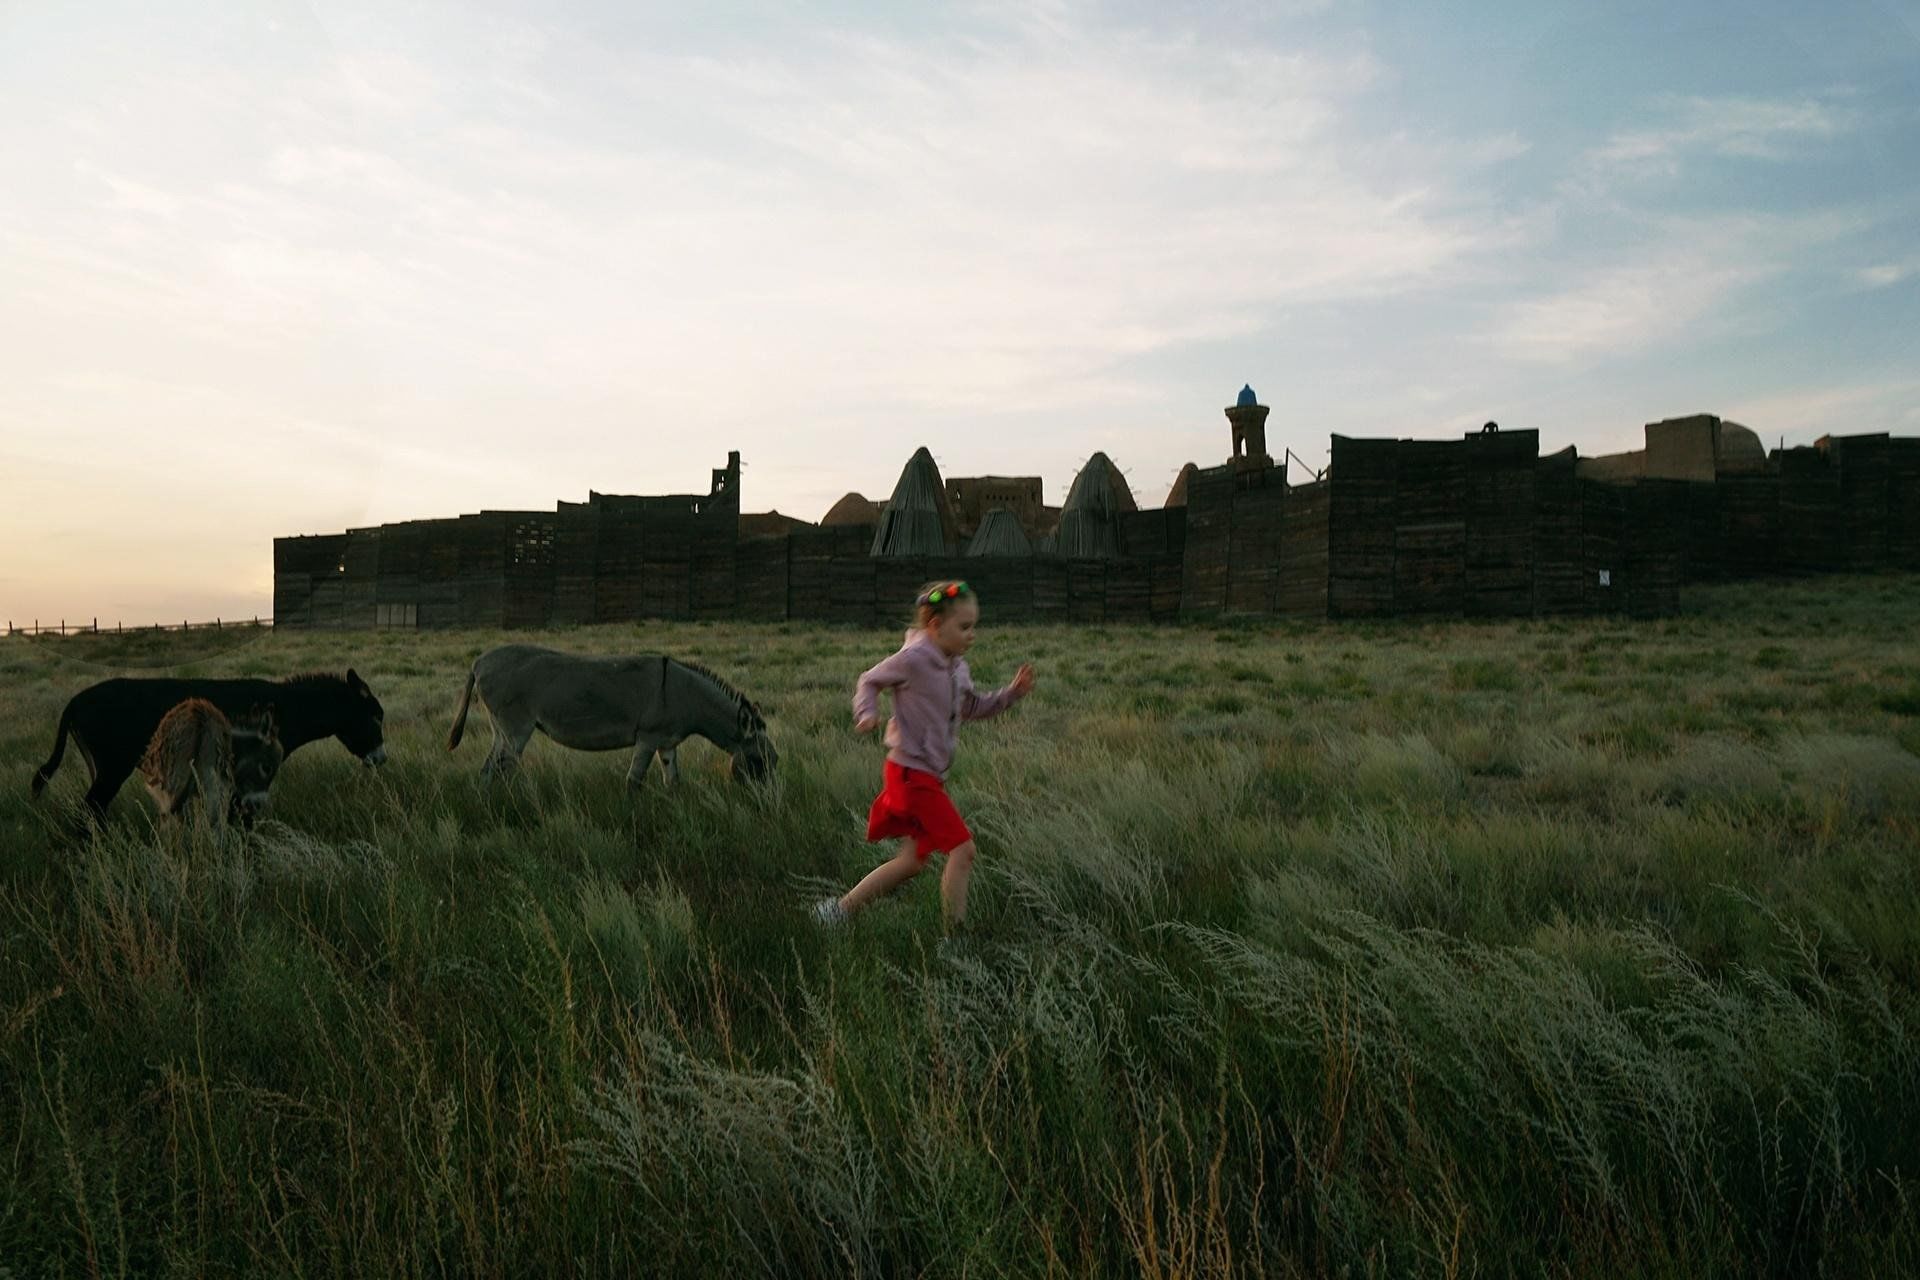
x=852 y=509
x=1740 y=449
x=1247 y=398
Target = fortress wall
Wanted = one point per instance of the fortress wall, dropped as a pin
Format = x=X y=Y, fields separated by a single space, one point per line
x=1863 y=464
x=1559 y=561
x=527 y=603
x=1257 y=525
x=1747 y=511
x=1429 y=528
x=1903 y=503
x=1361 y=520
x=1300 y=589
x=1206 y=549
x=1810 y=535
x=1481 y=526
x=1500 y=520
x=482 y=583
x=576 y=557
x=363 y=556
x=1652 y=547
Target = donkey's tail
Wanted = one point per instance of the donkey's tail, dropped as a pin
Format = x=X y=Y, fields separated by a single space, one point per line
x=460 y=716
x=59 y=752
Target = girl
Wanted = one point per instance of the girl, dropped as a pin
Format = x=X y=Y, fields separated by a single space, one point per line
x=932 y=694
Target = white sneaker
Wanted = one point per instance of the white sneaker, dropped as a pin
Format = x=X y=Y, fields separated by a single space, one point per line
x=828 y=911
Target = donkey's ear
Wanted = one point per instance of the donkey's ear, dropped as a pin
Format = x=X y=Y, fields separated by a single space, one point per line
x=746 y=718
x=353 y=679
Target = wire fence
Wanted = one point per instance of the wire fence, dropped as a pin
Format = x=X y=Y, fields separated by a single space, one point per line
x=92 y=627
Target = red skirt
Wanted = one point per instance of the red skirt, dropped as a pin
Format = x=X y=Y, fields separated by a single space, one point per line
x=915 y=804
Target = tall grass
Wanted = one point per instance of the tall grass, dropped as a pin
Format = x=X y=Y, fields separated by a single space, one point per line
x=1557 y=948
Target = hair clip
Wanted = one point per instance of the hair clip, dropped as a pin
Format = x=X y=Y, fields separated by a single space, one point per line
x=945 y=591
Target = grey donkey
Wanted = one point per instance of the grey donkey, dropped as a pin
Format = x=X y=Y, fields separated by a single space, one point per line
x=648 y=701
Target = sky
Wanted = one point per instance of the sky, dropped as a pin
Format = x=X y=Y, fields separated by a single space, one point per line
x=280 y=268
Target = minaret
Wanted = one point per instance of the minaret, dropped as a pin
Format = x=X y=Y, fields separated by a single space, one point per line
x=1249 y=419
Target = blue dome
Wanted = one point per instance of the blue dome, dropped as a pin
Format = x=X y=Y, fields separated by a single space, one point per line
x=1246 y=397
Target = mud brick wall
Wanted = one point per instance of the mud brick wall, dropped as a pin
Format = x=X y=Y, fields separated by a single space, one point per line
x=1362 y=516
x=1482 y=526
x=1301 y=591
x=1430 y=528
x=1652 y=547
x=1254 y=535
x=1903 y=504
x=1209 y=534
x=1500 y=522
x=1559 y=558
x=1810 y=530
x=1863 y=466
x=1748 y=525
x=576 y=558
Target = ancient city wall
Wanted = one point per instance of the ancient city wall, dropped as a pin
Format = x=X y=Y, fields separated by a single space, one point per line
x=1483 y=526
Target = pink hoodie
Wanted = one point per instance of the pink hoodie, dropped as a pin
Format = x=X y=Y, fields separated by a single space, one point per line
x=932 y=694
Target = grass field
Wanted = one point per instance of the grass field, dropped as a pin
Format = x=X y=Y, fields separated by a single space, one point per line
x=1580 y=948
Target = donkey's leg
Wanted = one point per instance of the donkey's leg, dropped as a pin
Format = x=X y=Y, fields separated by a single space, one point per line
x=644 y=749
x=670 y=763
x=510 y=737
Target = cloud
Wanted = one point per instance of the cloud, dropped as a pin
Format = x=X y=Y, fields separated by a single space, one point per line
x=137 y=197
x=1885 y=274
x=1615 y=309
x=1680 y=283
x=1741 y=127
x=991 y=223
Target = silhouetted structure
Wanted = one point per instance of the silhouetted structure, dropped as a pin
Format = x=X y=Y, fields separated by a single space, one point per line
x=1479 y=526
x=973 y=497
x=917 y=520
x=999 y=534
x=852 y=509
x=1090 y=517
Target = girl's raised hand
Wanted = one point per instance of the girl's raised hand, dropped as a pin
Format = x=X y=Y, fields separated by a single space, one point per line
x=1023 y=680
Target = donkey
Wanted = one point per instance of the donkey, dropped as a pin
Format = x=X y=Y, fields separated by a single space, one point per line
x=227 y=765
x=649 y=702
x=113 y=721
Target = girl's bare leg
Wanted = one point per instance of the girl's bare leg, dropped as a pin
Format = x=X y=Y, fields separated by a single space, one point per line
x=884 y=879
x=953 y=884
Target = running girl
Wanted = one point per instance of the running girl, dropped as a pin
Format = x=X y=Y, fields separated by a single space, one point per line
x=932 y=694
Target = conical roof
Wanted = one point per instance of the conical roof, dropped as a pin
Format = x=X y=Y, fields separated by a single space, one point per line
x=852 y=509
x=1177 y=496
x=999 y=534
x=917 y=520
x=1089 y=519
